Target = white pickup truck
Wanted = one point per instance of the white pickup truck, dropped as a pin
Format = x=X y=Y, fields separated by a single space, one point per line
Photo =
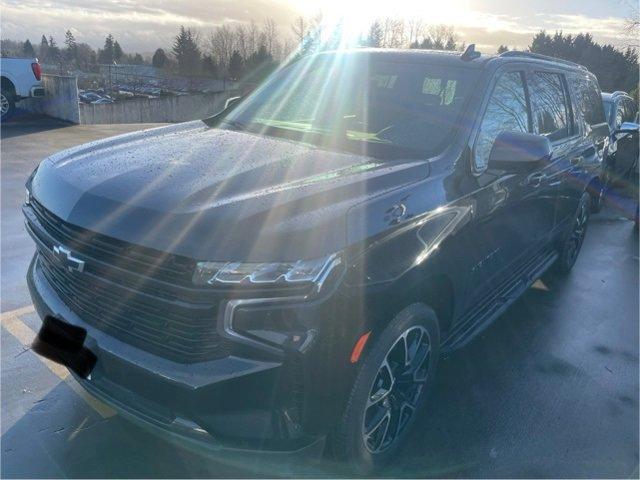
x=20 y=79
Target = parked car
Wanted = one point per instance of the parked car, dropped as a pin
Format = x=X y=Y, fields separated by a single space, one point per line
x=90 y=96
x=291 y=269
x=622 y=113
x=20 y=79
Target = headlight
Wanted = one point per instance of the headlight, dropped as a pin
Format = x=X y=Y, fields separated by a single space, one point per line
x=233 y=273
x=27 y=196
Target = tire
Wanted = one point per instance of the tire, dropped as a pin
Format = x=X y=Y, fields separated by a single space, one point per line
x=572 y=243
x=7 y=104
x=599 y=192
x=365 y=437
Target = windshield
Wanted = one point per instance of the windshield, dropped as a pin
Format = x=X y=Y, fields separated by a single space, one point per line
x=359 y=104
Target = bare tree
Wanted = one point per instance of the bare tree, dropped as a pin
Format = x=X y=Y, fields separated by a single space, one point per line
x=300 y=27
x=240 y=40
x=443 y=36
x=270 y=32
x=221 y=45
x=396 y=35
x=416 y=30
x=252 y=37
x=632 y=24
x=288 y=46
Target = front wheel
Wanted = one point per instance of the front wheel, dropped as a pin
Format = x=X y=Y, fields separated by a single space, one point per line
x=389 y=390
x=572 y=243
x=599 y=192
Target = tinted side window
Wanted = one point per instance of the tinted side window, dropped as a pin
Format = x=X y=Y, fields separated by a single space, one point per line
x=589 y=99
x=630 y=110
x=620 y=113
x=551 y=112
x=506 y=112
x=594 y=114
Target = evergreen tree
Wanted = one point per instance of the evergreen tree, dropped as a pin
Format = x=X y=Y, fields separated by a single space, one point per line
x=71 y=52
x=503 y=48
x=450 y=44
x=27 y=49
x=259 y=65
x=69 y=40
x=117 y=51
x=53 y=52
x=209 y=66
x=615 y=69
x=44 y=48
x=106 y=54
x=159 y=58
x=186 y=50
x=376 y=35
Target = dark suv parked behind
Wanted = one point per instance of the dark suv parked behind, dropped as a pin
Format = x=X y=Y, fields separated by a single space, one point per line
x=291 y=269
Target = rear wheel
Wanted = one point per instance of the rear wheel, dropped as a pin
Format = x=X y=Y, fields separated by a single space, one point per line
x=7 y=104
x=573 y=241
x=390 y=388
x=600 y=187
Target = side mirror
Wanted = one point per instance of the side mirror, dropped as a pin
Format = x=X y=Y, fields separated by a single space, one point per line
x=517 y=152
x=627 y=127
x=231 y=101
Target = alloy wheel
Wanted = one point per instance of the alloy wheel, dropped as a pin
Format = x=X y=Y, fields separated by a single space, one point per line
x=578 y=233
x=4 y=104
x=396 y=390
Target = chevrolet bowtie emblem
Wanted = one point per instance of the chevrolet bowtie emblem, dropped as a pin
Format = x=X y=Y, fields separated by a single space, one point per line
x=65 y=256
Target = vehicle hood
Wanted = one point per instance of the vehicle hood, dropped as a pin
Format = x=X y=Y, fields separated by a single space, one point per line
x=215 y=194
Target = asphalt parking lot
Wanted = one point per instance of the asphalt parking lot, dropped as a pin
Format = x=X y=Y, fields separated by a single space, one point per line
x=550 y=390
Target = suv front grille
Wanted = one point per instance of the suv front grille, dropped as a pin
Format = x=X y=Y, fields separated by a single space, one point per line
x=143 y=261
x=152 y=310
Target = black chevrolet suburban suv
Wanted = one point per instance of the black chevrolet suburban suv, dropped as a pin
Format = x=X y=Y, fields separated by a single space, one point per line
x=287 y=273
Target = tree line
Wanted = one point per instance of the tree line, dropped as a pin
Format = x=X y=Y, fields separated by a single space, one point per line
x=250 y=50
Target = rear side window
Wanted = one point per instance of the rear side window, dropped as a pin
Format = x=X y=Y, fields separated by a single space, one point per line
x=506 y=112
x=550 y=102
x=589 y=100
x=620 y=114
x=630 y=110
x=443 y=90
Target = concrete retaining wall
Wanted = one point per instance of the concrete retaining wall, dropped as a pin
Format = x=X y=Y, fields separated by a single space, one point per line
x=60 y=100
x=155 y=110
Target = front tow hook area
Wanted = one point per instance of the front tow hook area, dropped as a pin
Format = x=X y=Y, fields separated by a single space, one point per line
x=63 y=343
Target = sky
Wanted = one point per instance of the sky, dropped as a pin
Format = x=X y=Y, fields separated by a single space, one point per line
x=144 y=25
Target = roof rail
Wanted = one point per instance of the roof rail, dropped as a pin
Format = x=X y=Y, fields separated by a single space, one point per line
x=538 y=56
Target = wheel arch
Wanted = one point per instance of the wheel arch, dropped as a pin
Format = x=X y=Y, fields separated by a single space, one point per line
x=7 y=85
x=436 y=291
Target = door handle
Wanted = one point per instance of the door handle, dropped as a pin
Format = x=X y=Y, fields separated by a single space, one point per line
x=535 y=179
x=575 y=161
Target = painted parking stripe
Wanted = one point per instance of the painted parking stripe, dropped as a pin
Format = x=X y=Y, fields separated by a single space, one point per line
x=15 y=326
x=17 y=312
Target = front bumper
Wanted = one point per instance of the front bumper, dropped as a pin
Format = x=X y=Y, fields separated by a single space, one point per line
x=233 y=402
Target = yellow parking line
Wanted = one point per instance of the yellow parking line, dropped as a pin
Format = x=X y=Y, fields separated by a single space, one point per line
x=18 y=312
x=25 y=335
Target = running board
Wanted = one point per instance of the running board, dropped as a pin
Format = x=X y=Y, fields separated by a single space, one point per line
x=509 y=291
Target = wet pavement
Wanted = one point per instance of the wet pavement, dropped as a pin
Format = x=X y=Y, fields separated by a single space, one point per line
x=549 y=390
